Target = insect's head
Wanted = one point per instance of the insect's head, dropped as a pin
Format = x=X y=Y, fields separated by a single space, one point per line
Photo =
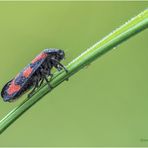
x=57 y=53
x=60 y=55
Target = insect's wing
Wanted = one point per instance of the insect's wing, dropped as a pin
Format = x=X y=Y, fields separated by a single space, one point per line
x=4 y=93
x=14 y=87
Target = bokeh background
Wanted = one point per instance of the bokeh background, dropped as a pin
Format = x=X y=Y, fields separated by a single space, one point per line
x=105 y=104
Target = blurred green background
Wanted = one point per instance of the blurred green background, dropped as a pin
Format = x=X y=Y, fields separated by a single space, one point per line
x=105 y=104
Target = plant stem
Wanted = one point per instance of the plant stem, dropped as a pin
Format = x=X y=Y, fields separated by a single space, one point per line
x=129 y=29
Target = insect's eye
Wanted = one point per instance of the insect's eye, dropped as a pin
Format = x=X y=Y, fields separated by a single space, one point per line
x=61 y=53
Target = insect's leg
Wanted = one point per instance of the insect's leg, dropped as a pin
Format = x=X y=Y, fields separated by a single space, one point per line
x=42 y=80
x=33 y=90
x=46 y=79
x=47 y=82
x=49 y=72
x=61 y=65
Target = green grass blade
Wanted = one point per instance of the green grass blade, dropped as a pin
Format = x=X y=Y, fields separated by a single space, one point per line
x=129 y=29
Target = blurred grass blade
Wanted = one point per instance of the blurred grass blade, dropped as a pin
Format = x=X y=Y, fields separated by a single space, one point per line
x=129 y=29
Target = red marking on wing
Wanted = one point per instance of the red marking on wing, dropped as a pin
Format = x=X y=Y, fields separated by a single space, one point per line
x=27 y=72
x=39 y=57
x=13 y=88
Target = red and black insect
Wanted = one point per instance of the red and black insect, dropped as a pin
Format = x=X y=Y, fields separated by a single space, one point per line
x=34 y=74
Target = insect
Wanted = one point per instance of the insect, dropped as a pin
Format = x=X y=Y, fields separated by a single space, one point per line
x=34 y=74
